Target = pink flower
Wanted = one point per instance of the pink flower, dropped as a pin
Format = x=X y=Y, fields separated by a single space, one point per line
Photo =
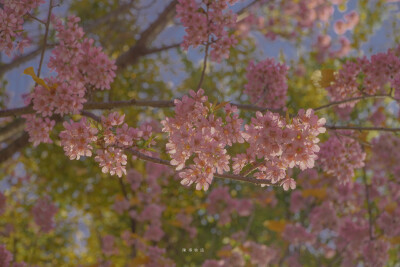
x=121 y=205
x=201 y=25
x=206 y=137
x=107 y=245
x=340 y=27
x=288 y=183
x=5 y=256
x=77 y=137
x=351 y=19
x=267 y=83
x=112 y=160
x=43 y=214
x=154 y=232
x=340 y=156
x=38 y=129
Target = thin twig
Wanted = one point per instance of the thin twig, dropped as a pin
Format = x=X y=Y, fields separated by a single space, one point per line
x=336 y=103
x=204 y=67
x=369 y=207
x=253 y=167
x=45 y=37
x=35 y=18
x=248 y=226
x=91 y=115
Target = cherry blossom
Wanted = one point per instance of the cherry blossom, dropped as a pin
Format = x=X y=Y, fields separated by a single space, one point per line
x=38 y=129
x=43 y=214
x=340 y=156
x=206 y=22
x=267 y=83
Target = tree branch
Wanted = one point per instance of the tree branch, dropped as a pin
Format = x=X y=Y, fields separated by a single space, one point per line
x=336 y=103
x=204 y=67
x=131 y=56
x=160 y=49
x=16 y=145
x=127 y=103
x=371 y=237
x=46 y=34
x=361 y=128
x=11 y=129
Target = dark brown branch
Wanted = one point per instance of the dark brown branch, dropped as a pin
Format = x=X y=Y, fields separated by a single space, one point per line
x=127 y=103
x=16 y=145
x=160 y=49
x=11 y=129
x=20 y=60
x=131 y=56
x=361 y=128
x=16 y=111
x=91 y=115
x=133 y=102
x=110 y=15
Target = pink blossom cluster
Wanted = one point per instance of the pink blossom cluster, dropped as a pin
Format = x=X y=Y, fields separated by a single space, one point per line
x=152 y=213
x=134 y=179
x=389 y=220
x=185 y=220
x=77 y=137
x=206 y=23
x=121 y=205
x=323 y=47
x=308 y=12
x=385 y=154
x=281 y=145
x=107 y=245
x=232 y=258
x=296 y=234
x=155 y=255
x=365 y=76
x=117 y=136
x=12 y=15
x=293 y=17
x=76 y=58
x=340 y=156
x=267 y=83
x=375 y=253
x=5 y=256
x=43 y=214
x=324 y=216
x=149 y=209
x=38 y=128
x=79 y=65
x=350 y=21
x=220 y=202
x=258 y=255
x=339 y=224
x=206 y=135
x=60 y=97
